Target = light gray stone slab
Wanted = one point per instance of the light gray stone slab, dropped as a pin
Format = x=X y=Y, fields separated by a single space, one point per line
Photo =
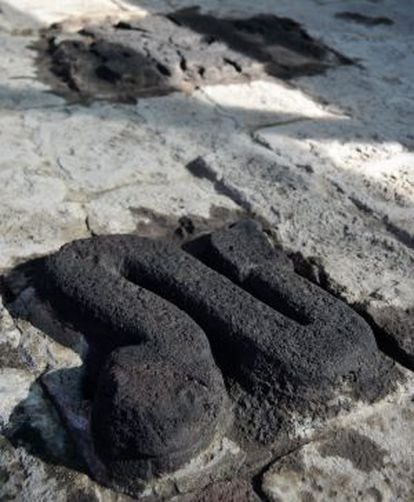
x=370 y=459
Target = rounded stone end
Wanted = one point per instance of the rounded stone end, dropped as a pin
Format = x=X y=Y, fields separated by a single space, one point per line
x=153 y=414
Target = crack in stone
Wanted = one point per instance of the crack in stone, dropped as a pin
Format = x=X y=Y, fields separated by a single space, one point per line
x=365 y=20
x=201 y=169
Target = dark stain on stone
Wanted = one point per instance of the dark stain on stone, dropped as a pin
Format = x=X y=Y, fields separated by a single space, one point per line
x=4 y=473
x=284 y=47
x=401 y=234
x=375 y=494
x=182 y=51
x=365 y=20
x=364 y=454
x=181 y=325
x=307 y=497
x=237 y=490
x=183 y=228
x=10 y=357
x=291 y=462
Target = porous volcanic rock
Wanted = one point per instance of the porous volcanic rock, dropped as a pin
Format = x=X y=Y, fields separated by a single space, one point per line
x=158 y=402
x=176 y=333
x=181 y=51
x=151 y=415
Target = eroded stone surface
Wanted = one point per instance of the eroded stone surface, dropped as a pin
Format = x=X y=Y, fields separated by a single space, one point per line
x=25 y=477
x=65 y=218
x=349 y=130
x=355 y=249
x=172 y=358
x=237 y=490
x=29 y=15
x=395 y=325
x=181 y=51
x=368 y=461
x=356 y=17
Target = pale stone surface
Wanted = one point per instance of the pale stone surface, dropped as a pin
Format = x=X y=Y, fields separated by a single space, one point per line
x=19 y=86
x=35 y=216
x=369 y=460
x=42 y=13
x=25 y=478
x=262 y=104
x=149 y=143
x=14 y=387
x=121 y=211
x=355 y=151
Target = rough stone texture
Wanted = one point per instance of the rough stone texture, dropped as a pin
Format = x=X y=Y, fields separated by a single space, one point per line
x=160 y=399
x=65 y=389
x=341 y=202
x=362 y=452
x=25 y=347
x=103 y=280
x=311 y=214
x=25 y=477
x=237 y=490
x=304 y=312
x=396 y=328
x=369 y=460
x=17 y=381
x=64 y=218
x=37 y=460
x=89 y=283
x=151 y=416
x=182 y=51
x=363 y=19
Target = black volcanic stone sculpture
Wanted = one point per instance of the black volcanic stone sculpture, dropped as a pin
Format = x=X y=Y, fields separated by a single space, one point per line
x=160 y=397
x=152 y=413
x=306 y=338
x=166 y=324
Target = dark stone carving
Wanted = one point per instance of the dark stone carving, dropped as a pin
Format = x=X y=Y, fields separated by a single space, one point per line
x=307 y=338
x=168 y=325
x=160 y=397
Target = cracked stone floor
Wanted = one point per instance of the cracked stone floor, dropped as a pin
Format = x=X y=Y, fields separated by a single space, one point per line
x=327 y=160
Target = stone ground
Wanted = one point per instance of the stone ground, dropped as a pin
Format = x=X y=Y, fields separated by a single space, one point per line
x=327 y=160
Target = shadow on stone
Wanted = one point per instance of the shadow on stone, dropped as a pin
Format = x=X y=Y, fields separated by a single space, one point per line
x=365 y=20
x=36 y=426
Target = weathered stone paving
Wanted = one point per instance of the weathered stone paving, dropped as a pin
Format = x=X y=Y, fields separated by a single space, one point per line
x=357 y=462
x=324 y=160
